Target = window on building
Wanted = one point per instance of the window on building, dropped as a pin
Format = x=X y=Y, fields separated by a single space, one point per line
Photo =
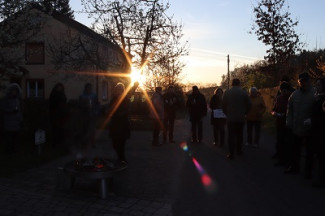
x=35 y=53
x=34 y=88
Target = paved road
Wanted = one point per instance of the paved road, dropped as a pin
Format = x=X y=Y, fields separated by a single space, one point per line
x=249 y=185
x=164 y=181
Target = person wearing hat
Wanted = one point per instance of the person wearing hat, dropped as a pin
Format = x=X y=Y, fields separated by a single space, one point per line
x=298 y=120
x=197 y=107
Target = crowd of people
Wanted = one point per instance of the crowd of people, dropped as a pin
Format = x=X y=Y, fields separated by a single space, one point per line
x=299 y=119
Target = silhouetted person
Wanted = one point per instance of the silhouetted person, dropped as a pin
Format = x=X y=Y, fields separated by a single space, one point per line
x=12 y=117
x=254 y=117
x=89 y=106
x=119 y=125
x=235 y=105
x=197 y=107
x=318 y=130
x=283 y=135
x=218 y=119
x=157 y=114
x=299 y=122
x=284 y=79
x=58 y=114
x=170 y=106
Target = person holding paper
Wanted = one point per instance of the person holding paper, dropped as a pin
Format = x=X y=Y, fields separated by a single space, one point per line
x=218 y=118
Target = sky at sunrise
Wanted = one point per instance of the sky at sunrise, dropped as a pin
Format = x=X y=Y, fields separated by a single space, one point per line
x=216 y=28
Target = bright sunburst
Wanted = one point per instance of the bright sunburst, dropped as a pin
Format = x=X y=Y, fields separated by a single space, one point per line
x=137 y=76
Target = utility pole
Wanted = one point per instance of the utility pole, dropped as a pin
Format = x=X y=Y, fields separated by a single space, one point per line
x=228 y=61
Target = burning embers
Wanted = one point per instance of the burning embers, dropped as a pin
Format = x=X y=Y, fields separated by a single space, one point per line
x=94 y=165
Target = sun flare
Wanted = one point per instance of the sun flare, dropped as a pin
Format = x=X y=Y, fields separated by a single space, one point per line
x=137 y=76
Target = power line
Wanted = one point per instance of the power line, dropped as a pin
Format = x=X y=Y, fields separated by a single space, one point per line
x=224 y=54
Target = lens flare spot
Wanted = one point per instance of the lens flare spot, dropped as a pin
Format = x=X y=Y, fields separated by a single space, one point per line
x=198 y=166
x=206 y=180
x=184 y=146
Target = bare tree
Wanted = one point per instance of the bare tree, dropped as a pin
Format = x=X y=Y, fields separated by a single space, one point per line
x=144 y=31
x=79 y=52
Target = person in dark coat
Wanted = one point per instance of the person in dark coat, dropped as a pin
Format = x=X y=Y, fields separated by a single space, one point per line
x=89 y=106
x=197 y=107
x=235 y=104
x=298 y=120
x=58 y=114
x=170 y=106
x=119 y=125
x=11 y=116
x=157 y=115
x=218 y=119
x=283 y=135
x=285 y=79
x=318 y=130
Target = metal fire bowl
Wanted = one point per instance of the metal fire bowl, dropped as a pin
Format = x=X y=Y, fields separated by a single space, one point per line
x=91 y=172
x=102 y=174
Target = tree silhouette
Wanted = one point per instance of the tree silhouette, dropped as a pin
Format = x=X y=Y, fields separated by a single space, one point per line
x=60 y=6
x=145 y=32
x=276 y=29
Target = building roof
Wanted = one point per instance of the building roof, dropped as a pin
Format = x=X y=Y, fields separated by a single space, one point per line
x=82 y=28
x=76 y=25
